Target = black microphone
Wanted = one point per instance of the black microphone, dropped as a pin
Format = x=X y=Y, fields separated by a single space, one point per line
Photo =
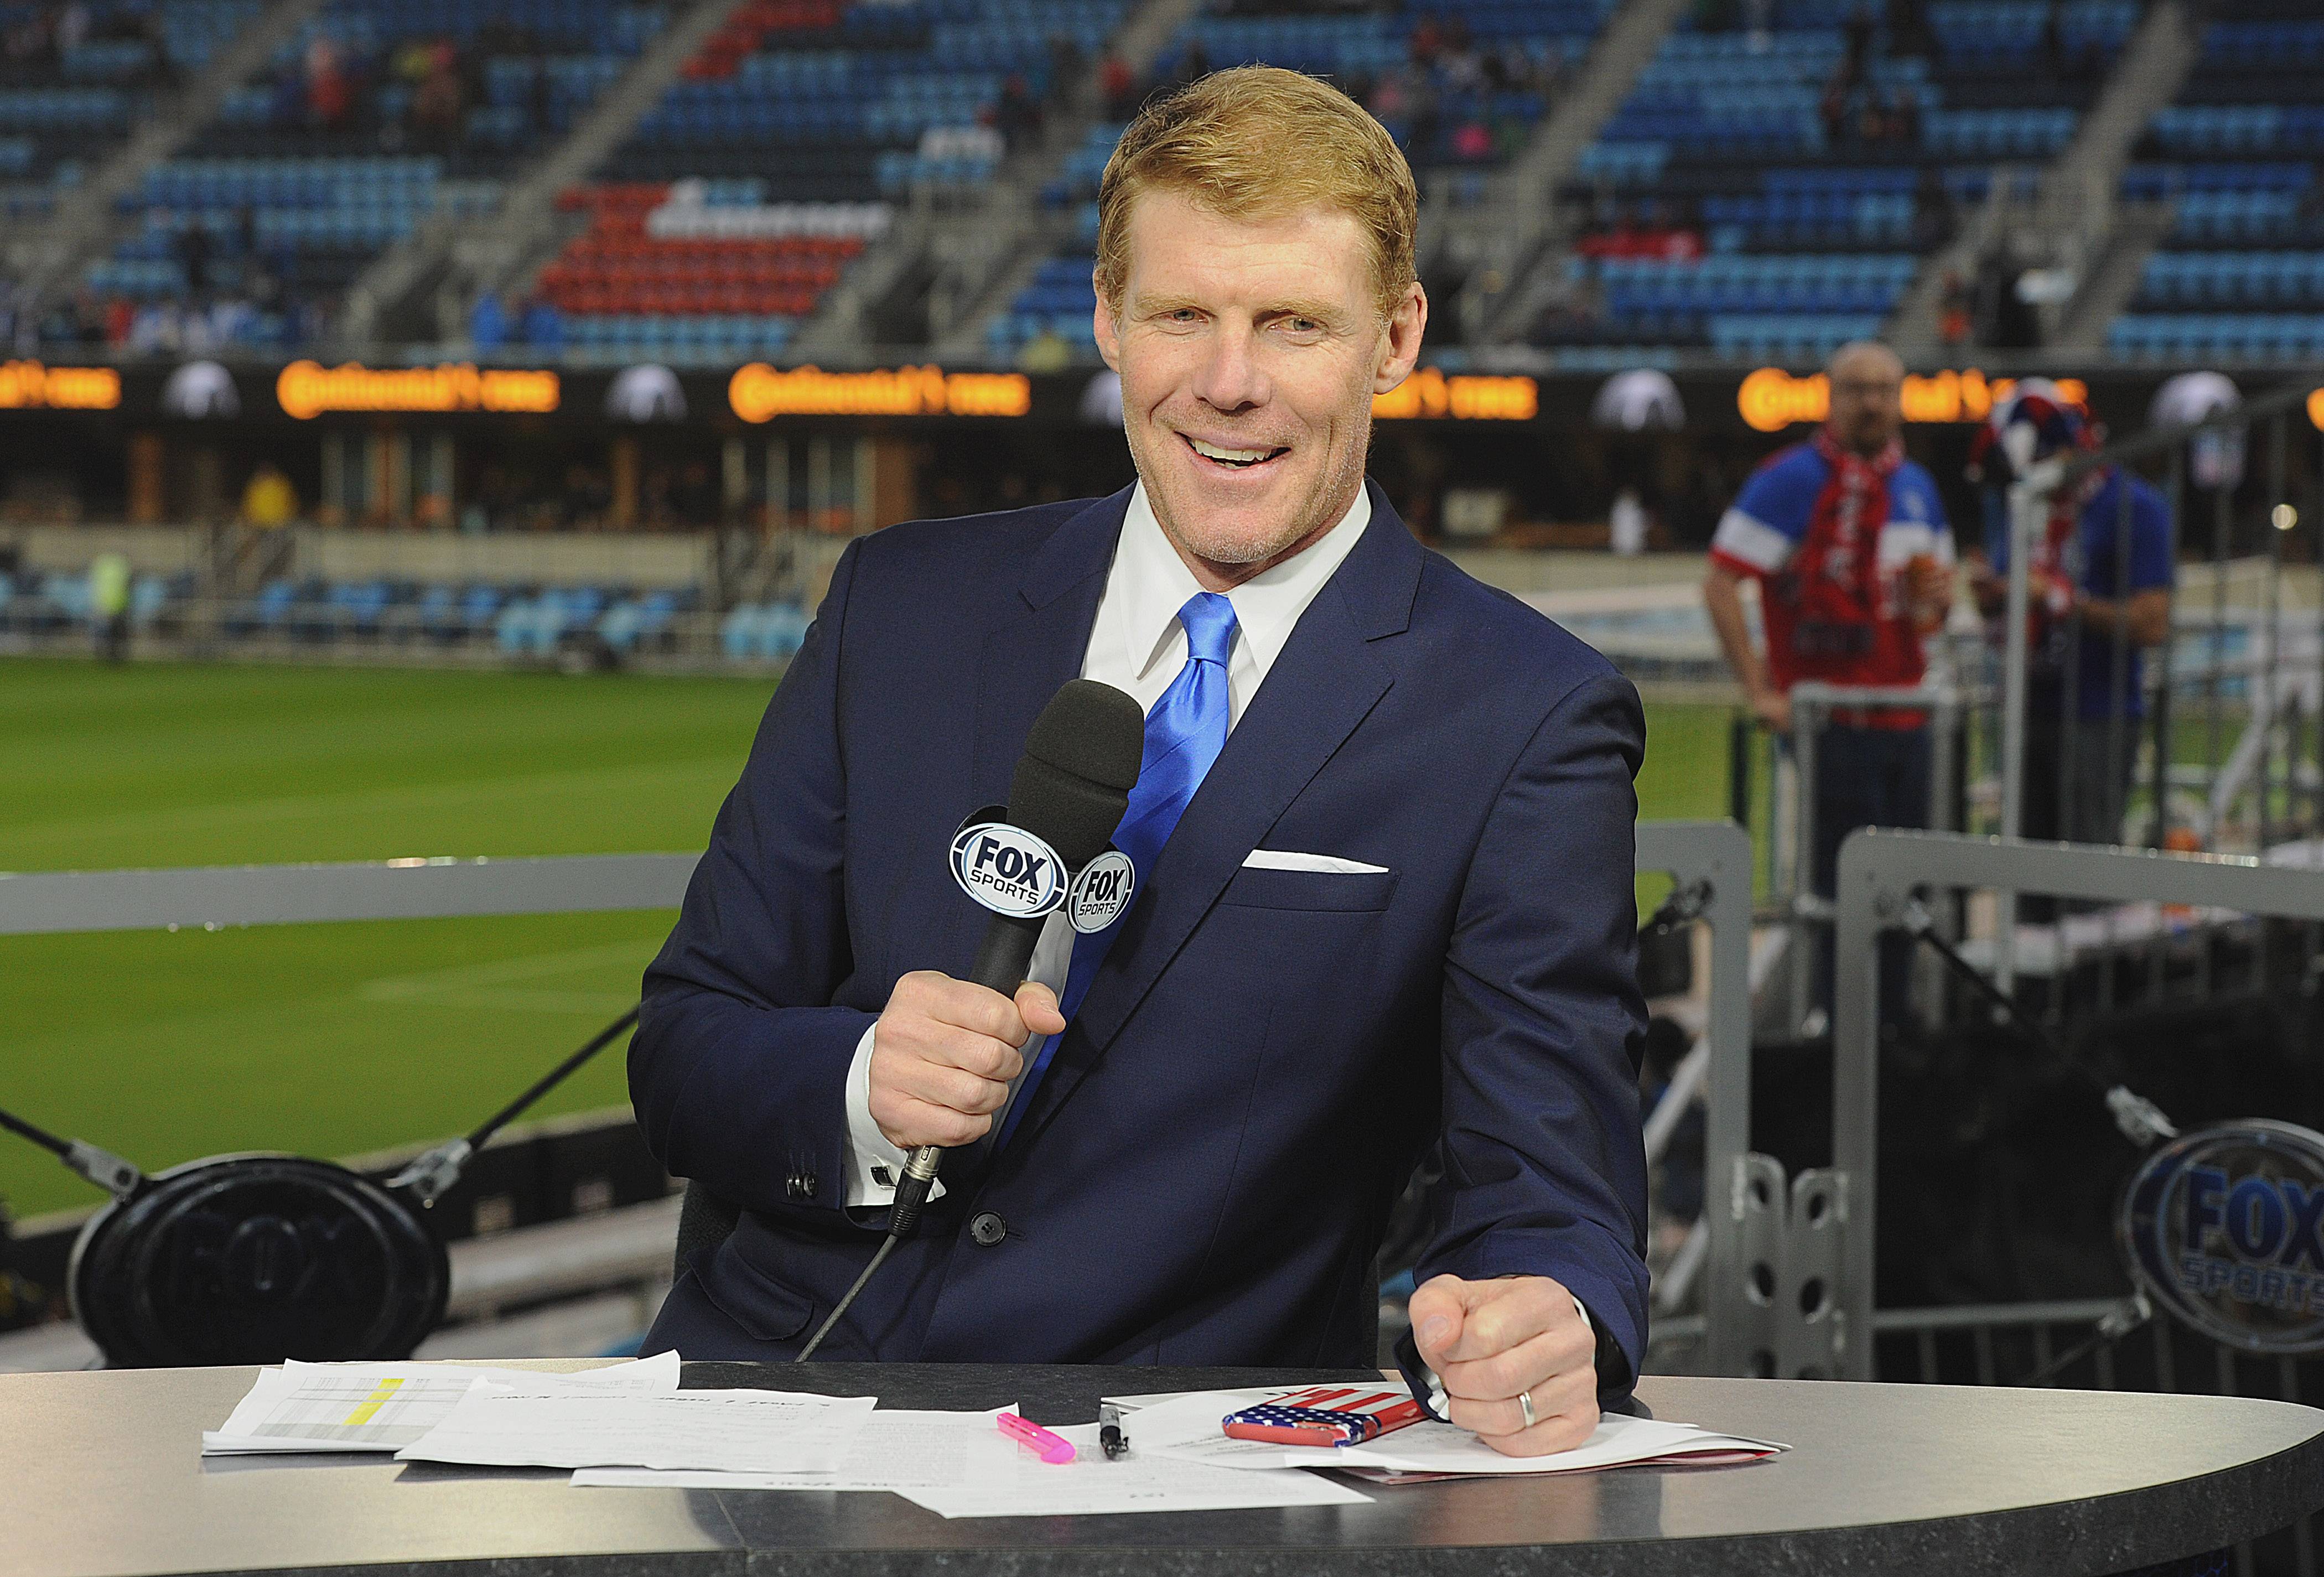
x=1069 y=791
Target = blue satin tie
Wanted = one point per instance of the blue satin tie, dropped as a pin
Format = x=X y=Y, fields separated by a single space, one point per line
x=1183 y=735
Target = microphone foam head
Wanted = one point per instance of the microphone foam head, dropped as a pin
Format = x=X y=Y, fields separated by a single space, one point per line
x=1074 y=782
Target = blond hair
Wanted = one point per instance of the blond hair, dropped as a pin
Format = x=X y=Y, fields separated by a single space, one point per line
x=1259 y=139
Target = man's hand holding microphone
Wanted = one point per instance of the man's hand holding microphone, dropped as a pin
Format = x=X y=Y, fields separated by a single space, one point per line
x=945 y=1052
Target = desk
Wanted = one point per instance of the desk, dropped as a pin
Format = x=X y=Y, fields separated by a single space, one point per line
x=100 y=1476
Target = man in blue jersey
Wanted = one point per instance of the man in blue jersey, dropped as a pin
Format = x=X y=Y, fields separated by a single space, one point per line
x=2100 y=579
x=1848 y=542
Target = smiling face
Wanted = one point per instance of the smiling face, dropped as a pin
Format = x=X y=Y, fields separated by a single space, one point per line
x=1249 y=350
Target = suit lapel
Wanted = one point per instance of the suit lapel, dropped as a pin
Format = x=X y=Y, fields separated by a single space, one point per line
x=1325 y=682
x=1040 y=639
x=1034 y=646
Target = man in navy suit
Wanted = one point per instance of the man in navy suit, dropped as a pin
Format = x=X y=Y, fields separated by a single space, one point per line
x=1384 y=840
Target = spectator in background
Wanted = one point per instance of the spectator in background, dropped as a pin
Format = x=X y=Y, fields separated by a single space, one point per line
x=269 y=500
x=695 y=497
x=1065 y=66
x=488 y=327
x=1856 y=60
x=2100 y=577
x=436 y=107
x=1193 y=66
x=1847 y=541
x=1427 y=39
x=540 y=99
x=2006 y=319
x=1831 y=110
x=1909 y=32
x=1046 y=352
x=109 y=605
x=1956 y=324
x=1458 y=64
x=543 y=324
x=1018 y=118
x=1117 y=84
x=2054 y=61
x=1935 y=219
x=330 y=94
x=193 y=248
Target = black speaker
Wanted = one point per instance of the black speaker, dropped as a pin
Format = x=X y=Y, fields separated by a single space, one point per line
x=253 y=1259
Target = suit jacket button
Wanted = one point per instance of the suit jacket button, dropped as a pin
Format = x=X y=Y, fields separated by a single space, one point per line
x=800 y=1185
x=987 y=1229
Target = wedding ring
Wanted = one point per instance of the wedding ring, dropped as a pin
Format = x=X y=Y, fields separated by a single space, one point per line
x=1525 y=1406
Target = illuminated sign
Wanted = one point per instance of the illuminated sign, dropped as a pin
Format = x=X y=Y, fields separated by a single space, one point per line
x=1772 y=399
x=2316 y=407
x=759 y=392
x=29 y=385
x=1429 y=393
x=308 y=389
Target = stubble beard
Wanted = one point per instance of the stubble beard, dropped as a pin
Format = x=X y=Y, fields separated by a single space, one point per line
x=1325 y=508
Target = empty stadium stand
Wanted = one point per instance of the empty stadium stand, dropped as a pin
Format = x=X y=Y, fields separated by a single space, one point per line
x=374 y=116
x=1763 y=190
x=700 y=270
x=1769 y=194
x=739 y=198
x=2235 y=278
x=1461 y=85
x=70 y=93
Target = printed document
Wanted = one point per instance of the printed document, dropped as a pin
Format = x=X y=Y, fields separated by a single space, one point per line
x=739 y=1430
x=1090 y=1485
x=386 y=1406
x=897 y=1449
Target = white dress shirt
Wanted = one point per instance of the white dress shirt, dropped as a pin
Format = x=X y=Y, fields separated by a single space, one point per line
x=1137 y=645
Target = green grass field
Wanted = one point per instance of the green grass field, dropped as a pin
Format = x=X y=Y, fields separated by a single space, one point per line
x=336 y=1039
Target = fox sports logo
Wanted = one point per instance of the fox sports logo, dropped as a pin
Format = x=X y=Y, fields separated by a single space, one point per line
x=1007 y=869
x=2225 y=1227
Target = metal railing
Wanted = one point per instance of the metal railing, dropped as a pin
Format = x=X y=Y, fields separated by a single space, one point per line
x=1708 y=864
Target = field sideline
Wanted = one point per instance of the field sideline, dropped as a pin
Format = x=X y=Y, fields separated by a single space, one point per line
x=336 y=1039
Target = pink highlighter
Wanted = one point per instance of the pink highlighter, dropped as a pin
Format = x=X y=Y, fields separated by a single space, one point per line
x=1025 y=1432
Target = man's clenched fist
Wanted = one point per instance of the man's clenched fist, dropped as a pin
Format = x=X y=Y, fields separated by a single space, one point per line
x=1491 y=1341
x=943 y=1053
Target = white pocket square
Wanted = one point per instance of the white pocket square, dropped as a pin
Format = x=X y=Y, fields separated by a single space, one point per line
x=1285 y=860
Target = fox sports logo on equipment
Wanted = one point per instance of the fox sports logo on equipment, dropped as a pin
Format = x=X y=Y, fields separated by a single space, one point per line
x=2225 y=1227
x=1007 y=869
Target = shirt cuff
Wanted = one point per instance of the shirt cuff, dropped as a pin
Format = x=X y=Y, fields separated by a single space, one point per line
x=872 y=1165
x=1428 y=1386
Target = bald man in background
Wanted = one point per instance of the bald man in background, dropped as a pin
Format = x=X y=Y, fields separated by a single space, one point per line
x=1847 y=542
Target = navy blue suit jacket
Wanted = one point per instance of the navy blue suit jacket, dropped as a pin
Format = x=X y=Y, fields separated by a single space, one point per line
x=1205 y=1172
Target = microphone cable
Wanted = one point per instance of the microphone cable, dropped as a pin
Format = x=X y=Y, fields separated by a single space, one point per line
x=2141 y=1121
x=911 y=1195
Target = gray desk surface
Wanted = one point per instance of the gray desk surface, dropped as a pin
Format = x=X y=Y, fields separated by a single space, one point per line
x=100 y=1476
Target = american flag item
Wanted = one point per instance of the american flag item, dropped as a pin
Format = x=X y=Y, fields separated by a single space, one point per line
x=1326 y=1416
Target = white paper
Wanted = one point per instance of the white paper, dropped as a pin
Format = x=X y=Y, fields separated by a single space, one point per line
x=739 y=1431
x=1188 y=1428
x=897 y=1449
x=1090 y=1485
x=386 y=1406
